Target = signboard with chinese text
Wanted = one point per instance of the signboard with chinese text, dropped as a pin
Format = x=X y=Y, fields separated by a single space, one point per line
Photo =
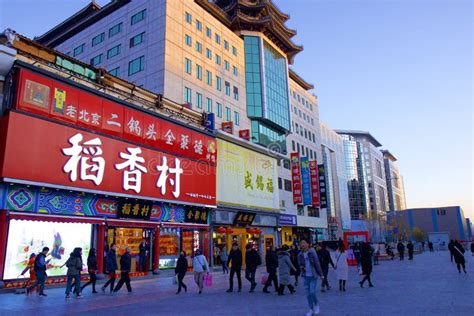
x=67 y=103
x=134 y=209
x=62 y=156
x=313 y=171
x=228 y=127
x=244 y=219
x=296 y=178
x=246 y=178
x=244 y=134
x=322 y=186
x=305 y=181
x=196 y=215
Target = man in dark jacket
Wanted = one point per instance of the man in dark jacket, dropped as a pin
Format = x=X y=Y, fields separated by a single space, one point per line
x=325 y=260
x=410 y=249
x=125 y=267
x=401 y=250
x=252 y=261
x=451 y=249
x=458 y=253
x=235 y=259
x=271 y=261
x=40 y=272
x=111 y=267
x=142 y=249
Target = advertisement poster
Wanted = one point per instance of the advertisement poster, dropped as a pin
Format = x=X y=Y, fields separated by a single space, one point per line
x=313 y=171
x=322 y=185
x=27 y=237
x=305 y=181
x=246 y=178
x=296 y=178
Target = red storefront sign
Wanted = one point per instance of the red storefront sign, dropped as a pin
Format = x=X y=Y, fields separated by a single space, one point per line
x=44 y=153
x=228 y=127
x=314 y=180
x=51 y=98
x=244 y=134
x=296 y=178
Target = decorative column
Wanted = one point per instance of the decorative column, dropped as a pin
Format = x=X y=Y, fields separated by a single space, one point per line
x=156 y=251
x=100 y=248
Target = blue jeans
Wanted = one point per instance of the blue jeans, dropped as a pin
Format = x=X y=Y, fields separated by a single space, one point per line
x=310 y=286
x=77 y=283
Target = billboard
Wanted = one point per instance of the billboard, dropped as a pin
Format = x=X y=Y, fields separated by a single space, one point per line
x=51 y=154
x=313 y=170
x=296 y=178
x=305 y=181
x=246 y=178
x=322 y=186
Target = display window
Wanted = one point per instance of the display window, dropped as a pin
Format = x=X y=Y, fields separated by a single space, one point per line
x=175 y=240
x=138 y=240
x=27 y=237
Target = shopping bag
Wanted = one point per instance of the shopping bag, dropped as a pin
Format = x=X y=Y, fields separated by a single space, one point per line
x=208 y=280
x=264 y=278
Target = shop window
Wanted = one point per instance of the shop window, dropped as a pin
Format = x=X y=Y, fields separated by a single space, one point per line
x=313 y=211
x=300 y=209
x=288 y=185
x=280 y=185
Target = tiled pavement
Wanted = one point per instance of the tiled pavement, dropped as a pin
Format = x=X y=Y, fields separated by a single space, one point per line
x=430 y=285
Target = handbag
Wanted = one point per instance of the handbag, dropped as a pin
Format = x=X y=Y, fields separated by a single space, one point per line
x=207 y=280
x=264 y=278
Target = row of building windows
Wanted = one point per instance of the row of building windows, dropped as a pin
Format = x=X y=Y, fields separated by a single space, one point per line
x=189 y=19
x=114 y=30
x=306 y=133
x=188 y=68
x=284 y=183
x=302 y=100
x=188 y=95
x=134 y=66
x=303 y=115
x=304 y=151
x=189 y=42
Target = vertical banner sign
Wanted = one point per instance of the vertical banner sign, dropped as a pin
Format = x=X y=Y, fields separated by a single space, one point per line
x=313 y=171
x=296 y=178
x=322 y=185
x=305 y=181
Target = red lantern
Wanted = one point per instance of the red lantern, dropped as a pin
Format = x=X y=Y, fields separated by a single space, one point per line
x=221 y=230
x=258 y=231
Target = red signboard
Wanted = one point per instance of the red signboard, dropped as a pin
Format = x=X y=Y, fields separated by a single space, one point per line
x=60 y=101
x=314 y=180
x=244 y=134
x=228 y=127
x=296 y=178
x=41 y=152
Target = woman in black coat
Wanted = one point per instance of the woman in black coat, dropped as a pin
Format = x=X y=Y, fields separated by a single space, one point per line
x=294 y=260
x=366 y=261
x=180 y=270
x=92 y=268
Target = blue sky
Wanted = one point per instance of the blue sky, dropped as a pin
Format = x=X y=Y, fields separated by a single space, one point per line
x=399 y=69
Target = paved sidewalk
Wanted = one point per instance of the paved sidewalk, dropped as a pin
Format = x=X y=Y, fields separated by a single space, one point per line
x=430 y=285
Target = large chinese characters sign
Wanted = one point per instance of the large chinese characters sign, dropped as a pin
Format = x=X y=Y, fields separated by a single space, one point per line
x=38 y=151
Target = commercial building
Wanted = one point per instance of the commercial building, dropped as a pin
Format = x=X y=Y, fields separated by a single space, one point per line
x=395 y=187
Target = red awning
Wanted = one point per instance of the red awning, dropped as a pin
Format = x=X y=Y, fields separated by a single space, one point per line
x=55 y=218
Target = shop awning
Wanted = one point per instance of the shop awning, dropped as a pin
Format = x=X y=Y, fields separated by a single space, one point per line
x=55 y=218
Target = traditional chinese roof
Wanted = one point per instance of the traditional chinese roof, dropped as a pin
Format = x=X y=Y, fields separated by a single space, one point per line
x=304 y=84
x=360 y=134
x=255 y=15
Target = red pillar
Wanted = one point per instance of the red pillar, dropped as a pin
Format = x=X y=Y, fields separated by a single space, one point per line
x=156 y=251
x=206 y=244
x=4 y=221
x=100 y=248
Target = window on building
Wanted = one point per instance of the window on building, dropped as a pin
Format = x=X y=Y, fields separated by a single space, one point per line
x=198 y=47
x=208 y=105
x=280 y=185
x=288 y=185
x=234 y=50
x=136 y=65
x=198 y=72
x=227 y=88
x=234 y=71
x=188 y=40
x=300 y=210
x=228 y=113
x=298 y=147
x=236 y=118
x=218 y=38
x=199 y=100
x=188 y=17
x=218 y=59
x=115 y=72
x=236 y=93
x=219 y=109
x=208 y=53
x=226 y=65
x=293 y=145
x=209 y=77
x=140 y=16
x=198 y=25
x=313 y=211
x=187 y=94
x=114 y=30
x=98 y=39
x=208 y=32
x=79 y=50
x=137 y=39
x=114 y=51
x=188 y=65
x=96 y=60
x=286 y=164
x=218 y=83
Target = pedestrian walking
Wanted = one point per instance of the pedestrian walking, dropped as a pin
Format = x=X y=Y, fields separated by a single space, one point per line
x=366 y=263
x=401 y=250
x=356 y=250
x=200 y=267
x=472 y=248
x=410 y=249
x=224 y=257
x=110 y=267
x=451 y=249
x=310 y=271
x=271 y=261
x=389 y=250
x=40 y=267
x=284 y=268
x=423 y=245
x=92 y=269
x=430 y=246
x=235 y=262
x=252 y=261
x=294 y=260
x=125 y=267
x=74 y=267
x=458 y=253
x=180 y=271
x=30 y=266
x=342 y=269
x=142 y=249
x=325 y=260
